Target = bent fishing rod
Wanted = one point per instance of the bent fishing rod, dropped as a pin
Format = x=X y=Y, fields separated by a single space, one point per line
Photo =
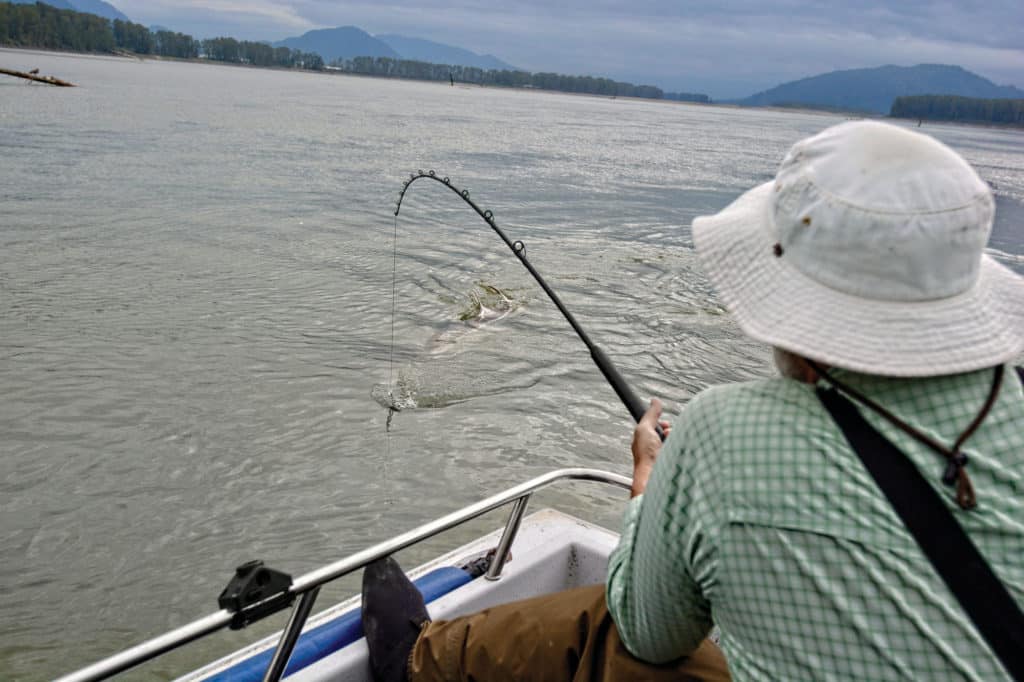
x=635 y=406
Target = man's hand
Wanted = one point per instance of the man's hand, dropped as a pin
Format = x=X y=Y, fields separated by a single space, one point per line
x=646 y=445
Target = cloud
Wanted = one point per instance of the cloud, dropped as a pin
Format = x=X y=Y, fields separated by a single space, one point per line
x=229 y=17
x=710 y=57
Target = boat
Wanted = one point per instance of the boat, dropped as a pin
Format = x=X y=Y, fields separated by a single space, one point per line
x=547 y=551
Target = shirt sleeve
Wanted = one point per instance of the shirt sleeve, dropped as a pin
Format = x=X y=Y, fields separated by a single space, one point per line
x=653 y=587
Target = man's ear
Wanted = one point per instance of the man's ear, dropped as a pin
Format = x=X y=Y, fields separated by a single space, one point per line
x=794 y=366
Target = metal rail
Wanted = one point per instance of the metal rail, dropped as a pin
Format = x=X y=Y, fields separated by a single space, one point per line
x=507 y=537
x=311 y=582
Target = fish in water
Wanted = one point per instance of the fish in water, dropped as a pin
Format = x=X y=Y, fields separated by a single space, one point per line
x=496 y=306
x=487 y=306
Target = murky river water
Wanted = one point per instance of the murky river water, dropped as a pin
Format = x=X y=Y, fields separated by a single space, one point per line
x=196 y=317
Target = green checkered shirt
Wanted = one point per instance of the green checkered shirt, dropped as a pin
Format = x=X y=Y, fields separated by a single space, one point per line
x=759 y=518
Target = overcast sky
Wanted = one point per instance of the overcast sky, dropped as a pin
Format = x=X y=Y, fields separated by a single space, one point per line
x=725 y=48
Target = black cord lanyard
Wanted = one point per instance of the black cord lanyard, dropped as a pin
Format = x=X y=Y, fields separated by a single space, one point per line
x=983 y=597
x=956 y=461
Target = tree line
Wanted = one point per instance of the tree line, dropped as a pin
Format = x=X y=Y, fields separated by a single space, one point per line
x=388 y=67
x=259 y=54
x=955 y=108
x=688 y=97
x=47 y=27
x=41 y=25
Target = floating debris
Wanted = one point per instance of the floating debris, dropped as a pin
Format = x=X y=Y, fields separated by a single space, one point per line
x=33 y=75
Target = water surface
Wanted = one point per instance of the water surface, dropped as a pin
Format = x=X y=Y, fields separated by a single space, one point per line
x=196 y=310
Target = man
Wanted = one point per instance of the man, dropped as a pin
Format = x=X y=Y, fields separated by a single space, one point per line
x=863 y=264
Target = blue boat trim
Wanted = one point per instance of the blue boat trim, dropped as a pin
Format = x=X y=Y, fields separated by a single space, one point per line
x=336 y=634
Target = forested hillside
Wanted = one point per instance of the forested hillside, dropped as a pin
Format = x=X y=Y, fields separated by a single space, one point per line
x=875 y=89
x=55 y=29
x=100 y=7
x=47 y=27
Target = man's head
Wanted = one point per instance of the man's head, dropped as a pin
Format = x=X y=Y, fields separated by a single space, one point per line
x=867 y=252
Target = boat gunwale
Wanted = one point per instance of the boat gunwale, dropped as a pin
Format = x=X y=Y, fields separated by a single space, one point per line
x=152 y=648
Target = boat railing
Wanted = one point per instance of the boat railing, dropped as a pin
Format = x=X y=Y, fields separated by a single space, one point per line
x=307 y=587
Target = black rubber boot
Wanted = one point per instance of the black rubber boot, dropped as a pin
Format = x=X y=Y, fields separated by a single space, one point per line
x=393 y=614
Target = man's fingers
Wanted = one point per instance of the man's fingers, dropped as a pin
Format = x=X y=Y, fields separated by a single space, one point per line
x=652 y=416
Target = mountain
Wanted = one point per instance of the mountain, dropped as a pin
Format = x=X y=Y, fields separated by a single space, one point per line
x=438 y=53
x=343 y=42
x=348 y=41
x=875 y=89
x=104 y=9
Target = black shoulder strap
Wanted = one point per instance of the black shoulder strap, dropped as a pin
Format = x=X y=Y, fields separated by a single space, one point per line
x=981 y=594
x=1020 y=372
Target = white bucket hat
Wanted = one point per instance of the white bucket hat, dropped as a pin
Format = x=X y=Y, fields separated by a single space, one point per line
x=867 y=252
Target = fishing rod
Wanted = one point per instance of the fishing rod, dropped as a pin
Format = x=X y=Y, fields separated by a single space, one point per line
x=635 y=406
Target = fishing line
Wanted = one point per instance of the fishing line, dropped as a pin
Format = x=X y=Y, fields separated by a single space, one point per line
x=394 y=298
x=635 y=406
x=391 y=360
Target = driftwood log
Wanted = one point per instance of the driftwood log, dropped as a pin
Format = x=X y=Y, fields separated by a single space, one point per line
x=49 y=80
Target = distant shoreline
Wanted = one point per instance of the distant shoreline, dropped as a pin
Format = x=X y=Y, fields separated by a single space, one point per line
x=327 y=71
x=332 y=72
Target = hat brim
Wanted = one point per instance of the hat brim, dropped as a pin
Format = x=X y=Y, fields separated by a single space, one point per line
x=776 y=303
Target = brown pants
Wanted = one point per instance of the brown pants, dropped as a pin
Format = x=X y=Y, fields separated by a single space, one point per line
x=567 y=636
